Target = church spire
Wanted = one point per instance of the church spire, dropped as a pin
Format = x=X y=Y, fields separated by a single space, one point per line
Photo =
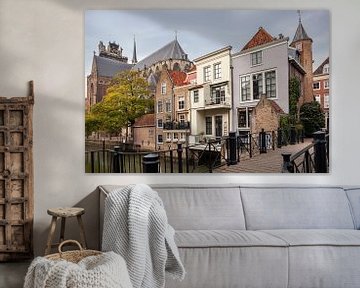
x=300 y=33
x=134 y=59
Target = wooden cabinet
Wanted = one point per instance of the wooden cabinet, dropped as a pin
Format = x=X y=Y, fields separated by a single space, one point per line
x=16 y=177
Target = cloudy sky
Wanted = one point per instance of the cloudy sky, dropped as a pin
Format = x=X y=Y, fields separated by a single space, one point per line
x=199 y=31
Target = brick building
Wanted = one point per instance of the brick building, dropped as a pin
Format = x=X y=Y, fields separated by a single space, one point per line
x=303 y=45
x=104 y=67
x=166 y=108
x=144 y=132
x=321 y=85
x=266 y=115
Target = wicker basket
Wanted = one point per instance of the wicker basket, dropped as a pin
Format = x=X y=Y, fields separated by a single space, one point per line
x=72 y=256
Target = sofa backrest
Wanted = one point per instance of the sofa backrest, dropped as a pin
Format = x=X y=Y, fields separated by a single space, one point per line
x=202 y=207
x=354 y=198
x=296 y=208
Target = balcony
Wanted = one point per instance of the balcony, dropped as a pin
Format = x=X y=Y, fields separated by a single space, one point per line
x=211 y=103
x=176 y=125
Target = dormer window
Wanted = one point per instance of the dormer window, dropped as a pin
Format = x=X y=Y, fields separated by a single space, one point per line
x=326 y=69
x=256 y=58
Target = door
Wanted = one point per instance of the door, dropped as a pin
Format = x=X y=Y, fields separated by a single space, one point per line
x=218 y=126
x=16 y=184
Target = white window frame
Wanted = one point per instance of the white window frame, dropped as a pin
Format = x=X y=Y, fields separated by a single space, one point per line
x=317 y=82
x=258 y=60
x=182 y=118
x=181 y=99
x=207 y=73
x=241 y=88
x=326 y=84
x=162 y=139
x=168 y=105
x=326 y=101
x=163 y=88
x=263 y=72
x=182 y=136
x=217 y=71
x=160 y=123
x=175 y=137
x=197 y=96
x=210 y=126
x=326 y=69
x=317 y=98
x=159 y=102
x=168 y=137
x=264 y=84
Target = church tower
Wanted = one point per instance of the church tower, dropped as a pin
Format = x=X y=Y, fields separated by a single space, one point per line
x=303 y=44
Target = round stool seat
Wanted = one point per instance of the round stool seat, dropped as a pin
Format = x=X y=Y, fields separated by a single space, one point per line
x=66 y=211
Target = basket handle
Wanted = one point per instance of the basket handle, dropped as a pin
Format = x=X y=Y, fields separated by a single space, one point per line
x=69 y=241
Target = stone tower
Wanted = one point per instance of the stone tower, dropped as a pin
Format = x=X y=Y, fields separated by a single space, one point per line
x=303 y=44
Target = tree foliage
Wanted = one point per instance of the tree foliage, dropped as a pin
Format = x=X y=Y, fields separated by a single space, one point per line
x=312 y=117
x=92 y=124
x=127 y=98
x=294 y=95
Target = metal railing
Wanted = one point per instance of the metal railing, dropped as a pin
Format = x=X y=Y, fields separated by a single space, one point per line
x=183 y=159
x=314 y=158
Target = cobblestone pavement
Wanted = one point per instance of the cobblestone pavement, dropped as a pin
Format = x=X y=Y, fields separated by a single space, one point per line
x=270 y=162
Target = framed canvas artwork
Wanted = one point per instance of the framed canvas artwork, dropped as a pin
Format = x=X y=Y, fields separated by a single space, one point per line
x=207 y=91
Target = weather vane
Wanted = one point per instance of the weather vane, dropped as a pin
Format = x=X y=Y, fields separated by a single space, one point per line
x=176 y=33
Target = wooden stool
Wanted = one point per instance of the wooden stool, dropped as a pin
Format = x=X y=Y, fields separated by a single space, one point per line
x=64 y=213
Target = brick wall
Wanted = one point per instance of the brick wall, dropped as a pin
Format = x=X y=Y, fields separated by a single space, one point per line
x=264 y=117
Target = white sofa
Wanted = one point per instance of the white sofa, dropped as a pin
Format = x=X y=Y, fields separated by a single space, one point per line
x=242 y=236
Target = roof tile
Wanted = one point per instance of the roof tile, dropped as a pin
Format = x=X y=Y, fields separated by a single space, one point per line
x=261 y=37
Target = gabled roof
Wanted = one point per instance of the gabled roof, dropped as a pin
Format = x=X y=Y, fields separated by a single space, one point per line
x=177 y=77
x=171 y=50
x=300 y=33
x=145 y=120
x=213 y=53
x=264 y=101
x=261 y=37
x=320 y=69
x=109 y=67
x=276 y=107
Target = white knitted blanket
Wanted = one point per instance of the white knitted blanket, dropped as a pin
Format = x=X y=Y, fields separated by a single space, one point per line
x=107 y=270
x=136 y=227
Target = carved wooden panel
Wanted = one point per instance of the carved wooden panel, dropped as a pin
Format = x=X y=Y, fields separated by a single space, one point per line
x=16 y=177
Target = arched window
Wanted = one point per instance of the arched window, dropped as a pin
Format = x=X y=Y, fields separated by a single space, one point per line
x=176 y=67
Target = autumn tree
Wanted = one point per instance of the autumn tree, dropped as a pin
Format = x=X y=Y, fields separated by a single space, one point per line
x=127 y=98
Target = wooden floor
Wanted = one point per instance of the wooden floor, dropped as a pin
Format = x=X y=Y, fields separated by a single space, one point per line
x=270 y=162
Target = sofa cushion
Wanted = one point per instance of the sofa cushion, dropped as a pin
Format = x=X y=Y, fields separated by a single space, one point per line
x=226 y=238
x=220 y=267
x=324 y=266
x=316 y=237
x=296 y=208
x=202 y=207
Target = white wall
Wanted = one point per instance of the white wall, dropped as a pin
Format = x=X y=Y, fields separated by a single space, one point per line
x=273 y=58
x=43 y=40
